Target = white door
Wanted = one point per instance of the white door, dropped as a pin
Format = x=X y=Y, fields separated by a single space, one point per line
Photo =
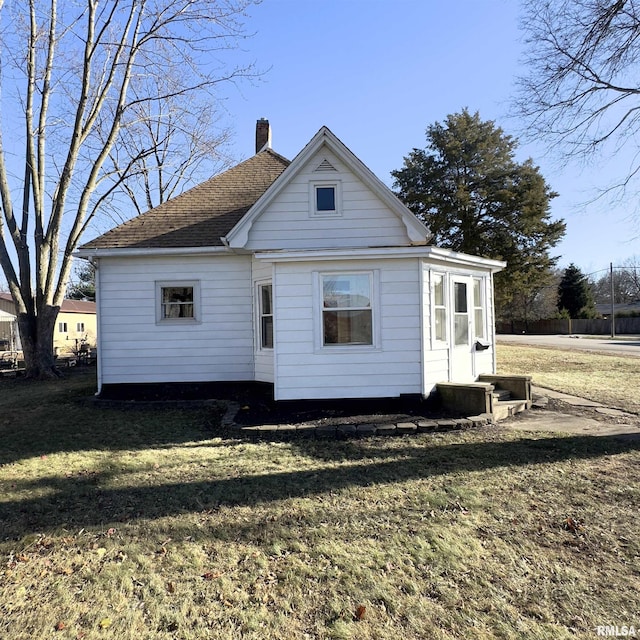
x=461 y=330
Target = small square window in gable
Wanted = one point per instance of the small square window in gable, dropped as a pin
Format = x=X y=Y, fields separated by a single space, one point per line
x=324 y=199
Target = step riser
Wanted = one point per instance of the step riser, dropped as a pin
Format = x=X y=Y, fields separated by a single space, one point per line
x=504 y=410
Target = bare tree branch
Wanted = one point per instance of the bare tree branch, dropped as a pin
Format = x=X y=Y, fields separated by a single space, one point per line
x=85 y=82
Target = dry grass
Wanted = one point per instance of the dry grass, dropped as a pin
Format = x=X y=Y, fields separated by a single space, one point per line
x=155 y=525
x=612 y=380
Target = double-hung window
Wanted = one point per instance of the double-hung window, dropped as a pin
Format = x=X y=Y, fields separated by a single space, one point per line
x=439 y=308
x=347 y=313
x=178 y=302
x=266 y=315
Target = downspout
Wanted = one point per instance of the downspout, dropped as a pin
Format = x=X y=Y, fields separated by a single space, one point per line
x=423 y=328
x=96 y=265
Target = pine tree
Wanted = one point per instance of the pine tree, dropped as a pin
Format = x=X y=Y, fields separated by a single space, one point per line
x=475 y=198
x=84 y=287
x=574 y=294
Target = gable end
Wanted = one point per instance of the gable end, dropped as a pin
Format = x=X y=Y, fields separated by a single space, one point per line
x=321 y=157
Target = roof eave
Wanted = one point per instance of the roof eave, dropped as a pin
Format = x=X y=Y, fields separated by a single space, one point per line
x=96 y=252
x=435 y=255
x=417 y=232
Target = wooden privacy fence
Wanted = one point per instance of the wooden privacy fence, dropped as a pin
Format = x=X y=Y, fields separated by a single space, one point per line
x=567 y=327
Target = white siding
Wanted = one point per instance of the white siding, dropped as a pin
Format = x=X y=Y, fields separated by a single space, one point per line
x=136 y=349
x=365 y=221
x=304 y=369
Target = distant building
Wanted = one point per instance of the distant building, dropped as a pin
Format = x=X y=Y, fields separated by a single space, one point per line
x=626 y=308
x=76 y=325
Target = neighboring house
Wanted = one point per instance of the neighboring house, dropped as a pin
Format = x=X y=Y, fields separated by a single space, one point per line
x=9 y=339
x=627 y=308
x=310 y=275
x=76 y=323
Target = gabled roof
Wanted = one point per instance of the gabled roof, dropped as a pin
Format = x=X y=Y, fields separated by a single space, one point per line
x=201 y=216
x=77 y=306
x=416 y=231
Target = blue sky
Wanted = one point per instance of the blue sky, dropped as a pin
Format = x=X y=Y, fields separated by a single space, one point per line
x=378 y=72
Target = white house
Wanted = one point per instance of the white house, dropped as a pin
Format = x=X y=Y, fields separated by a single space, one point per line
x=310 y=275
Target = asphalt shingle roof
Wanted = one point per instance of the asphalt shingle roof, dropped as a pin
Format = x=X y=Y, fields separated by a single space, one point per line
x=202 y=215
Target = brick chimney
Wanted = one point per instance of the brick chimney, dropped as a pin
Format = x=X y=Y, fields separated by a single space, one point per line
x=263 y=134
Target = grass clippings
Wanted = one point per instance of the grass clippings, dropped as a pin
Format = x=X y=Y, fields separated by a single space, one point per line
x=156 y=525
x=609 y=379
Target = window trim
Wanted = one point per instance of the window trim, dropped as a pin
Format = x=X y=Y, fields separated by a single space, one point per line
x=482 y=307
x=314 y=212
x=374 y=292
x=63 y=327
x=79 y=327
x=259 y=308
x=436 y=342
x=164 y=284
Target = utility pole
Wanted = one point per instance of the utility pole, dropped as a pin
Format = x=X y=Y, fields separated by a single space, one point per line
x=613 y=307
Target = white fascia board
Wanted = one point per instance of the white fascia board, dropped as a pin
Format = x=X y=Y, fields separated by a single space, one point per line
x=417 y=232
x=447 y=256
x=148 y=252
x=239 y=235
x=435 y=254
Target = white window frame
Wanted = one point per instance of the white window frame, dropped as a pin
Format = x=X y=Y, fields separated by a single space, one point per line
x=79 y=327
x=313 y=203
x=259 y=310
x=163 y=284
x=482 y=308
x=374 y=289
x=63 y=327
x=444 y=306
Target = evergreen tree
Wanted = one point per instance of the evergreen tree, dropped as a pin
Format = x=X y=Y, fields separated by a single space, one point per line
x=84 y=287
x=574 y=294
x=475 y=198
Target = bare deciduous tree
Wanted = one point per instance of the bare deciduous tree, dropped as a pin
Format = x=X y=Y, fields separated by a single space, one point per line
x=582 y=91
x=81 y=80
x=626 y=283
x=165 y=146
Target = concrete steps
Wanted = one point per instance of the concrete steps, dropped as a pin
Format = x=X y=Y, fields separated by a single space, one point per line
x=504 y=409
x=501 y=396
x=504 y=405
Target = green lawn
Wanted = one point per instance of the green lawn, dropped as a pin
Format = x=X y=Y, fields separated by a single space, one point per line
x=158 y=525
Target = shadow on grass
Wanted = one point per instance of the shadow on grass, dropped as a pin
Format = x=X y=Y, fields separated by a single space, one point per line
x=79 y=502
x=38 y=419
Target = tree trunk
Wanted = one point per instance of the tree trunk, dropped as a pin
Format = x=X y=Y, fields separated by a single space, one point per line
x=36 y=334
